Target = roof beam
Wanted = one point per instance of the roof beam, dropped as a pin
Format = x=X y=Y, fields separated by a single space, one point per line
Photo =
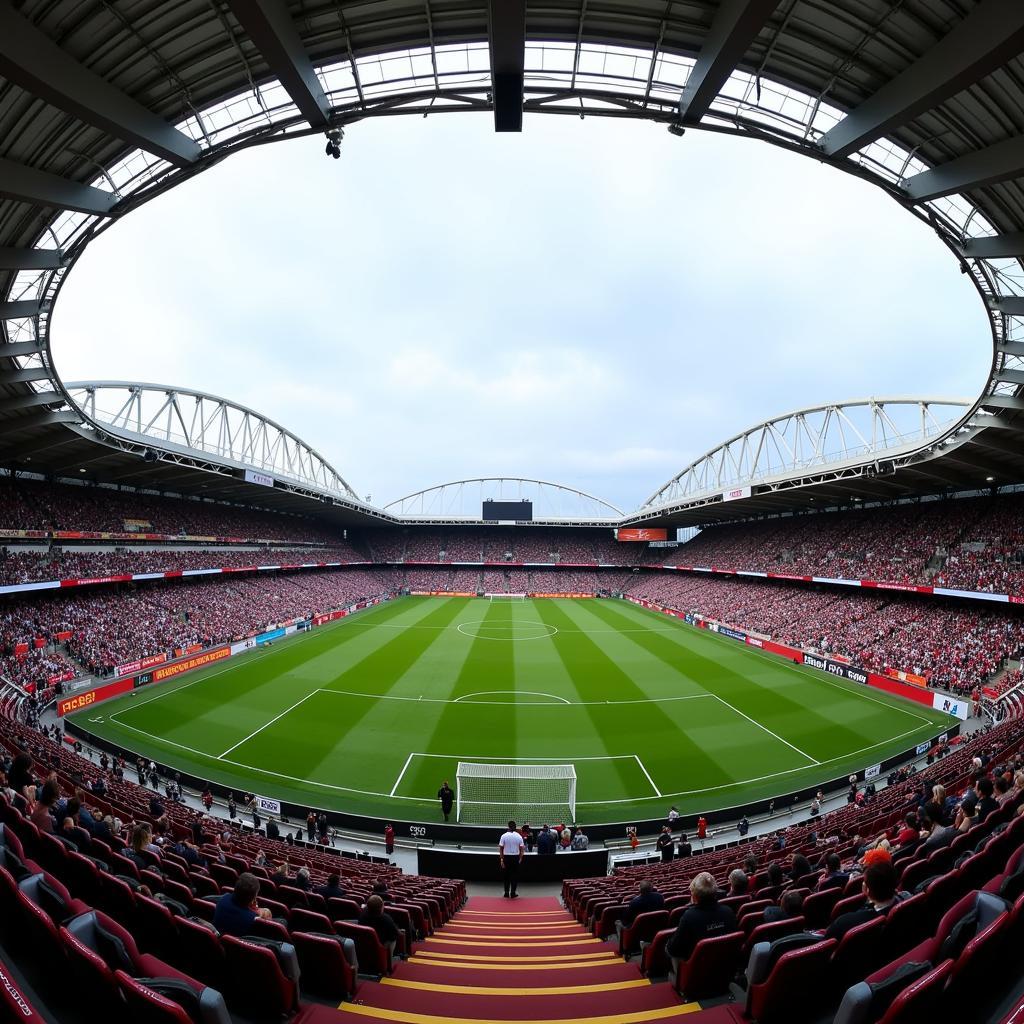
x=33 y=61
x=31 y=186
x=21 y=348
x=735 y=27
x=29 y=400
x=507 y=39
x=29 y=259
x=18 y=310
x=994 y=247
x=270 y=26
x=1011 y=305
x=988 y=166
x=991 y=35
x=26 y=376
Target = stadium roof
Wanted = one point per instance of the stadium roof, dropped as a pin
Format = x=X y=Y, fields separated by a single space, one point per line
x=104 y=106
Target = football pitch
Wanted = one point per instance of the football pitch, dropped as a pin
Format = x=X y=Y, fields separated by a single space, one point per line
x=371 y=713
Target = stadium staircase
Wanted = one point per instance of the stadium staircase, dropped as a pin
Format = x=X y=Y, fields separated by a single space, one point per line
x=522 y=960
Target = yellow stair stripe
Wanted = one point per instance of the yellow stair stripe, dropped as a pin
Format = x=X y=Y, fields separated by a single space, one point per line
x=523 y=938
x=488 y=990
x=572 y=965
x=502 y=924
x=506 y=944
x=531 y=913
x=405 y=1017
x=608 y=954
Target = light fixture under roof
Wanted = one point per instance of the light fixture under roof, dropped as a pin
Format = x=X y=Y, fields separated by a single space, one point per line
x=989 y=479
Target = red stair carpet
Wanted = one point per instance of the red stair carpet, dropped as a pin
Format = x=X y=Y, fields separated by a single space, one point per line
x=523 y=961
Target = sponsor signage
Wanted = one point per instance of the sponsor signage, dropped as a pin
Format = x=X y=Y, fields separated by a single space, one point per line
x=836 y=668
x=539 y=594
x=143 y=678
x=206 y=658
x=732 y=633
x=128 y=668
x=736 y=493
x=78 y=701
x=873 y=772
x=271 y=634
x=954 y=706
x=252 y=477
x=267 y=805
x=641 y=534
x=922 y=748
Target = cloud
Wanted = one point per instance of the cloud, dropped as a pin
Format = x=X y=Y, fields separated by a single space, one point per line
x=596 y=303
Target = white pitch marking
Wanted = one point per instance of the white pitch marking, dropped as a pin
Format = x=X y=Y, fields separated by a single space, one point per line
x=485 y=693
x=400 y=774
x=657 y=792
x=752 y=721
x=256 y=732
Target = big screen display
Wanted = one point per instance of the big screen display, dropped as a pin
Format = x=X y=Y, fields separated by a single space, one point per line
x=519 y=511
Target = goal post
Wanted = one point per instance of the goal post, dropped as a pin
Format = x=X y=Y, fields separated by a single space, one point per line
x=505 y=597
x=493 y=794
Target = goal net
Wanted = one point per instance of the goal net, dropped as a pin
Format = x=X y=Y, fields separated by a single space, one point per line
x=492 y=794
x=506 y=597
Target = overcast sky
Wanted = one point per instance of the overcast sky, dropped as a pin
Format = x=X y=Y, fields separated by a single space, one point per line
x=595 y=303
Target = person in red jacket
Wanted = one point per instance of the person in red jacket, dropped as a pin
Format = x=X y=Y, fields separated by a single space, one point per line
x=702 y=827
x=389 y=840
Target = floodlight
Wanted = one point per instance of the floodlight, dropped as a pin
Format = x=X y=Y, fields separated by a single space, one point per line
x=677 y=129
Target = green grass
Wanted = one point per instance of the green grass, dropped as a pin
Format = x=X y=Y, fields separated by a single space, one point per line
x=371 y=713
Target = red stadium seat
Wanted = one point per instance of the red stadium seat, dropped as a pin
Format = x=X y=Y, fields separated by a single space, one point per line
x=710 y=967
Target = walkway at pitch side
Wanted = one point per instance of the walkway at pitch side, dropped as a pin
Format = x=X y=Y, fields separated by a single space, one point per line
x=508 y=961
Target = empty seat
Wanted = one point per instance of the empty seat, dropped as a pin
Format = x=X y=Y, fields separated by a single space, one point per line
x=893 y=992
x=787 y=979
x=258 y=984
x=710 y=967
x=168 y=1001
x=643 y=929
x=325 y=970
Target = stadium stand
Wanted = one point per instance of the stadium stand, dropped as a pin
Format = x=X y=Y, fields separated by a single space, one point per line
x=27 y=504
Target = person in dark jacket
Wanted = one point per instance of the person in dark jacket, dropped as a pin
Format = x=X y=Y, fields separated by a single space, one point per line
x=703 y=919
x=332 y=888
x=383 y=924
x=447 y=798
x=547 y=842
x=647 y=899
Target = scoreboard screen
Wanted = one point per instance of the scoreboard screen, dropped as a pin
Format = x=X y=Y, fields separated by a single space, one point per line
x=520 y=511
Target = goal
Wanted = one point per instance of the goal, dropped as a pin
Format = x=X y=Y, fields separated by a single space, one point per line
x=506 y=597
x=493 y=794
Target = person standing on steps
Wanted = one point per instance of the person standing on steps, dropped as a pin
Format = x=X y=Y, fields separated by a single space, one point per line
x=447 y=798
x=511 y=850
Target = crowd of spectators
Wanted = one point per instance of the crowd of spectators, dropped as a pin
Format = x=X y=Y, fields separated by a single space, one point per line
x=114 y=628
x=21 y=566
x=34 y=505
x=951 y=647
x=969 y=544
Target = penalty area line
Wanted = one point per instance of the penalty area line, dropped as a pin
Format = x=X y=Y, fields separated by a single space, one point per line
x=256 y=732
x=647 y=774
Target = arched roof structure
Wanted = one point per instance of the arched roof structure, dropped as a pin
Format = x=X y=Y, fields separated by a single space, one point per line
x=462 y=499
x=104 y=106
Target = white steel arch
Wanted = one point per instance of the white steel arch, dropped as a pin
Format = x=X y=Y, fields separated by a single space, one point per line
x=463 y=499
x=206 y=425
x=820 y=437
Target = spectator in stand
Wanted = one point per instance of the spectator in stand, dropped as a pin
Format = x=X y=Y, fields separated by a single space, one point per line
x=665 y=845
x=703 y=919
x=791 y=905
x=373 y=916
x=987 y=803
x=647 y=899
x=332 y=888
x=880 y=892
x=910 y=832
x=236 y=910
x=939 y=834
x=685 y=849
x=42 y=812
x=835 y=877
x=739 y=883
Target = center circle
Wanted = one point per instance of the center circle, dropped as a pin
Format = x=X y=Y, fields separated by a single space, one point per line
x=506 y=629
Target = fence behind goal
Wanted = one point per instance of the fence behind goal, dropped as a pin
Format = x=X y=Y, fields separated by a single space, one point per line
x=493 y=794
